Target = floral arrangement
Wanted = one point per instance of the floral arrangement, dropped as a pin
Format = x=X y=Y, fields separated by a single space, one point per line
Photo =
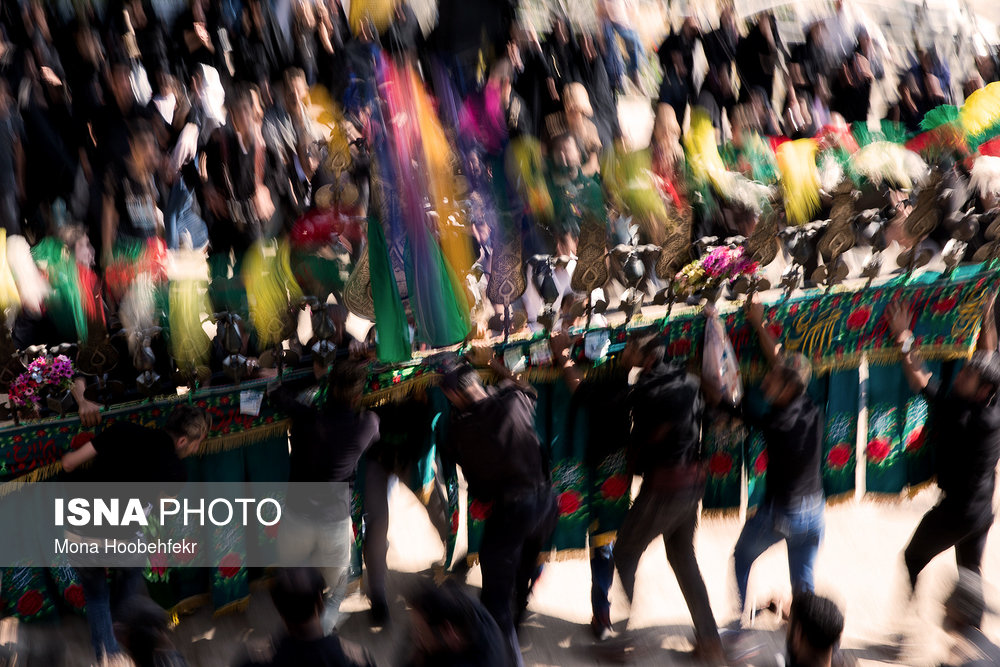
x=712 y=271
x=43 y=374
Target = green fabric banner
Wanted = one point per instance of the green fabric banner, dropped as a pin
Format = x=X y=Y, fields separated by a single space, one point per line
x=391 y=329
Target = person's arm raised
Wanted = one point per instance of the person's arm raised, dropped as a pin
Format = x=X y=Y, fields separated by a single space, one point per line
x=899 y=318
x=755 y=316
x=560 y=345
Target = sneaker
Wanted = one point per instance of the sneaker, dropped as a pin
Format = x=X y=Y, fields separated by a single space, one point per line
x=600 y=626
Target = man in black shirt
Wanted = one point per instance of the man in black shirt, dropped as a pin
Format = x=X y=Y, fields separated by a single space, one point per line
x=329 y=434
x=492 y=436
x=793 y=500
x=965 y=436
x=126 y=452
x=664 y=448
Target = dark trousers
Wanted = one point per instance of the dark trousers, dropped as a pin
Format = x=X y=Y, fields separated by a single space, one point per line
x=602 y=575
x=378 y=485
x=942 y=528
x=513 y=537
x=674 y=517
x=100 y=597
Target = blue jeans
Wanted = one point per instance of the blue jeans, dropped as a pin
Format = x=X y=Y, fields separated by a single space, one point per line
x=633 y=48
x=602 y=574
x=800 y=525
x=97 y=593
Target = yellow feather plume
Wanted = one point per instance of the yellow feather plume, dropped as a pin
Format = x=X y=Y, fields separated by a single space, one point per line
x=379 y=13
x=322 y=110
x=799 y=179
x=526 y=168
x=189 y=344
x=707 y=166
x=271 y=288
x=8 y=288
x=981 y=110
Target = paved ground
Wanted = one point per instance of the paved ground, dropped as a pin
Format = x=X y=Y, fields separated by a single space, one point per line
x=859 y=565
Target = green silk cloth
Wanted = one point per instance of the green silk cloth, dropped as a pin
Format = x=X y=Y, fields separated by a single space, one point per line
x=392 y=334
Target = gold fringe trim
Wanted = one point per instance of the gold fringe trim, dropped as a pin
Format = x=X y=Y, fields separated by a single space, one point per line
x=235 y=607
x=251 y=436
x=880 y=498
x=603 y=539
x=37 y=475
x=560 y=555
x=472 y=560
x=912 y=491
x=401 y=391
x=188 y=606
x=720 y=513
x=840 y=499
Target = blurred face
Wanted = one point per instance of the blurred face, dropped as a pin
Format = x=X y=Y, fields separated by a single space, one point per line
x=144 y=151
x=777 y=390
x=185 y=446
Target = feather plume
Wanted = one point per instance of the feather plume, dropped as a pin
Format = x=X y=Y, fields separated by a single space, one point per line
x=981 y=113
x=271 y=287
x=986 y=175
x=706 y=166
x=883 y=161
x=799 y=179
x=9 y=298
x=31 y=284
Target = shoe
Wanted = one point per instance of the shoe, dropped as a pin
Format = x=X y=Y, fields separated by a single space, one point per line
x=600 y=626
x=378 y=615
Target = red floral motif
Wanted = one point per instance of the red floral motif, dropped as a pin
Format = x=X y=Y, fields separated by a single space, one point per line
x=80 y=439
x=30 y=604
x=679 y=348
x=720 y=464
x=569 y=502
x=838 y=456
x=64 y=429
x=17 y=438
x=74 y=596
x=229 y=566
x=760 y=465
x=224 y=400
x=272 y=531
x=614 y=487
x=775 y=329
x=158 y=563
x=454 y=521
x=915 y=441
x=185 y=557
x=794 y=308
x=480 y=511
x=944 y=306
x=859 y=318
x=878 y=450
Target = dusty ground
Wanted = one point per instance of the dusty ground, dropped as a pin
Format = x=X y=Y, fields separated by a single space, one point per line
x=859 y=565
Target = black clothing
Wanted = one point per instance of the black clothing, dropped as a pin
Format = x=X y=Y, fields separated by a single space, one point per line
x=327 y=440
x=513 y=536
x=939 y=530
x=495 y=443
x=605 y=411
x=966 y=441
x=128 y=452
x=794 y=437
x=329 y=651
x=666 y=407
